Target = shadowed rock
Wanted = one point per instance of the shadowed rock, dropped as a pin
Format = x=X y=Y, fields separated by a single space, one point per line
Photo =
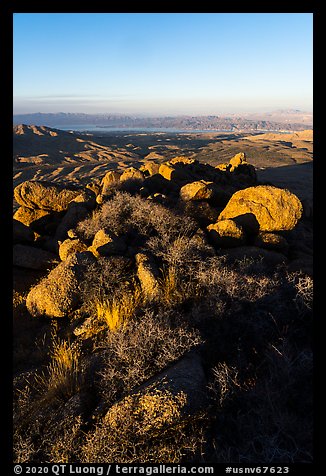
x=22 y=233
x=76 y=212
x=178 y=392
x=275 y=209
x=33 y=258
x=271 y=241
x=248 y=222
x=187 y=376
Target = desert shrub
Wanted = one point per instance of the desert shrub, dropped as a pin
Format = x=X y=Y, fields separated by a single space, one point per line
x=144 y=427
x=125 y=214
x=145 y=347
x=224 y=381
x=63 y=441
x=108 y=276
x=270 y=421
x=304 y=291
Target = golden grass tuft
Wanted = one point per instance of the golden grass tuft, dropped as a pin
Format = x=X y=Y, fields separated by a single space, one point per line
x=62 y=379
x=170 y=285
x=116 y=314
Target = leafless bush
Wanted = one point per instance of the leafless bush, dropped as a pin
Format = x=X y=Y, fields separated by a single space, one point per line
x=125 y=213
x=145 y=347
x=304 y=291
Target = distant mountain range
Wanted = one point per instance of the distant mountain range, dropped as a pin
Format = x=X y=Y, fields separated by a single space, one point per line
x=286 y=121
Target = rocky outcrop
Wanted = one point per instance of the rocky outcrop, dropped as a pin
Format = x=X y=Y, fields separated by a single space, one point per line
x=41 y=221
x=275 y=209
x=150 y=168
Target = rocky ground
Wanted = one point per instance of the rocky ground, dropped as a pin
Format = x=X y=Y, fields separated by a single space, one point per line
x=162 y=313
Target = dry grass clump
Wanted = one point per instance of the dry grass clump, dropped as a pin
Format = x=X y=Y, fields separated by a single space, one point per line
x=62 y=378
x=144 y=427
x=117 y=312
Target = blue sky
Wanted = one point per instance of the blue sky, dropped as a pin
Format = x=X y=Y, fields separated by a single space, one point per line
x=162 y=63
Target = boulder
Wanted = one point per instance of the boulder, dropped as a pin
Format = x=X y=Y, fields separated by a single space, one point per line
x=148 y=274
x=275 y=209
x=167 y=171
x=41 y=221
x=185 y=379
x=58 y=294
x=237 y=160
x=150 y=168
x=111 y=178
x=132 y=174
x=202 y=212
x=247 y=172
x=183 y=160
x=226 y=233
x=22 y=233
x=271 y=241
x=224 y=167
x=200 y=190
x=44 y=195
x=69 y=247
x=107 y=243
x=33 y=258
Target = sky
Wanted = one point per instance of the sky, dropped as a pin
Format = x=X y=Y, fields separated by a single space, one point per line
x=162 y=63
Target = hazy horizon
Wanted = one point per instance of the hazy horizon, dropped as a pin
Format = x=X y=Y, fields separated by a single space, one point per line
x=144 y=114
x=162 y=63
